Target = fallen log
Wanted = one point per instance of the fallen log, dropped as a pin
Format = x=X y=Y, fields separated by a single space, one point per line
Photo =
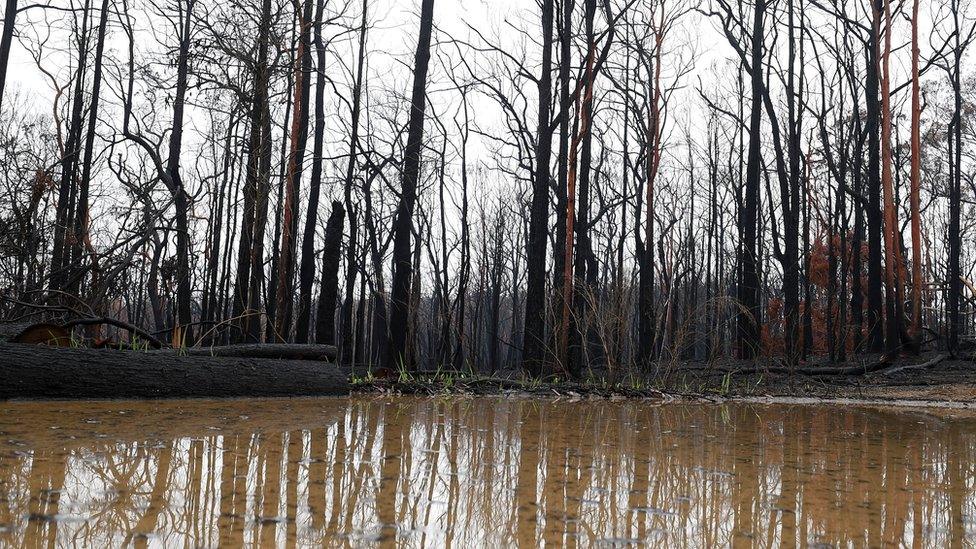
x=39 y=372
x=927 y=364
x=285 y=351
x=883 y=365
x=853 y=370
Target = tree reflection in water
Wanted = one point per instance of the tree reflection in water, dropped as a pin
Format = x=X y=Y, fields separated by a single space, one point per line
x=482 y=471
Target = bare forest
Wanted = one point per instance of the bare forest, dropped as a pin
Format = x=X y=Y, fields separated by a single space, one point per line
x=565 y=188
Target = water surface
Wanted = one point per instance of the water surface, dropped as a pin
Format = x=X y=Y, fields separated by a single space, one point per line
x=470 y=472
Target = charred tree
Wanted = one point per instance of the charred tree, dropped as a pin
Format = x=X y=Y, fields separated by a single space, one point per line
x=961 y=38
x=81 y=237
x=916 y=176
x=346 y=348
x=6 y=38
x=893 y=321
x=61 y=253
x=284 y=299
x=174 y=181
x=331 y=257
x=562 y=168
x=533 y=339
x=403 y=223
x=246 y=303
x=875 y=317
x=306 y=274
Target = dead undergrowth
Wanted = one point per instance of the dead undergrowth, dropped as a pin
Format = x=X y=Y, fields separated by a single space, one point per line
x=931 y=377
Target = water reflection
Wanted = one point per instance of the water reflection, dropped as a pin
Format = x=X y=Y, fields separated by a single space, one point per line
x=482 y=471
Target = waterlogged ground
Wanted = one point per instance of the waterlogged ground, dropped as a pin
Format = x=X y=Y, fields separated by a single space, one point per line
x=483 y=471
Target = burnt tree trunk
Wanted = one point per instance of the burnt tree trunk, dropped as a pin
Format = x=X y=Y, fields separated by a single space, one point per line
x=585 y=267
x=181 y=200
x=402 y=225
x=533 y=340
x=69 y=163
x=953 y=315
x=747 y=291
x=306 y=271
x=331 y=255
x=874 y=218
x=260 y=172
x=80 y=240
x=562 y=165
x=916 y=178
x=9 y=18
x=299 y=138
x=346 y=326
x=893 y=307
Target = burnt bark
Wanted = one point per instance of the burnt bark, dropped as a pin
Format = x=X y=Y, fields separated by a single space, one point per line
x=283 y=351
x=32 y=371
x=533 y=339
x=181 y=199
x=284 y=300
x=747 y=291
x=69 y=163
x=306 y=274
x=403 y=224
x=331 y=256
x=9 y=18
x=246 y=301
x=875 y=316
x=81 y=238
x=347 y=329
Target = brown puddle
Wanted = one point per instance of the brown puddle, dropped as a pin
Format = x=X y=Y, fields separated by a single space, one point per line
x=484 y=471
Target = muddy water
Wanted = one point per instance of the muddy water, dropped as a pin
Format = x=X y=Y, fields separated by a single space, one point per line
x=471 y=472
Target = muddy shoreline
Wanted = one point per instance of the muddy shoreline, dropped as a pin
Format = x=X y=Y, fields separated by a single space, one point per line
x=49 y=373
x=928 y=381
